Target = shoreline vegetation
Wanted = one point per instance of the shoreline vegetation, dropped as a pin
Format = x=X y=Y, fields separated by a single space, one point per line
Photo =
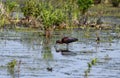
x=51 y=14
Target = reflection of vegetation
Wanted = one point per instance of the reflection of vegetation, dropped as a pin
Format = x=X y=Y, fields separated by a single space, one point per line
x=31 y=39
x=107 y=57
x=117 y=31
x=87 y=32
x=47 y=55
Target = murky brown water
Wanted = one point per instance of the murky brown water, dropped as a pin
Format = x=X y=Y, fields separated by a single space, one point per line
x=37 y=54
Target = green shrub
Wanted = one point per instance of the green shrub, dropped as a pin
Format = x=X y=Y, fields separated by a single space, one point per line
x=52 y=17
x=46 y=11
x=30 y=8
x=10 y=5
x=84 y=5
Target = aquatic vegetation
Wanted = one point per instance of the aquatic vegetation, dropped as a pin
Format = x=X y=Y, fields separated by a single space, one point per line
x=47 y=54
x=90 y=64
x=2 y=15
x=2 y=9
x=93 y=62
x=87 y=32
x=12 y=64
x=43 y=60
x=6 y=9
x=29 y=8
x=46 y=12
x=50 y=14
x=84 y=5
x=10 y=6
x=11 y=67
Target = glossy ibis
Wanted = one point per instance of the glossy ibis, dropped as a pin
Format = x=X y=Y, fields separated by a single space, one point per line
x=66 y=40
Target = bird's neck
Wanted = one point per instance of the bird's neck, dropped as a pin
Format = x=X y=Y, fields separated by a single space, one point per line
x=60 y=42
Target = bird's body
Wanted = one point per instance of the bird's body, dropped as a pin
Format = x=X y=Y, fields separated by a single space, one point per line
x=66 y=40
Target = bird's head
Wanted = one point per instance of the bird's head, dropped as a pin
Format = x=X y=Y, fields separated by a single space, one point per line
x=59 y=42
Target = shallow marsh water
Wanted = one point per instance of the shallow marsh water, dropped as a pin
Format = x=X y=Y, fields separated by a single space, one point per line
x=37 y=53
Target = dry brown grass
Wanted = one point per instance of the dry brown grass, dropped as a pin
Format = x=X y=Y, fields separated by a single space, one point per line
x=104 y=10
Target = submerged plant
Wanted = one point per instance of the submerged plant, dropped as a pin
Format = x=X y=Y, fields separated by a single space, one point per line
x=94 y=61
x=12 y=64
x=11 y=67
x=90 y=64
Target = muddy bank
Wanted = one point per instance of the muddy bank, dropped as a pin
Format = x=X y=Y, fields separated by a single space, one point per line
x=103 y=21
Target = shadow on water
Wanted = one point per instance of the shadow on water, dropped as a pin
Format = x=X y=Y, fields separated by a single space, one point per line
x=40 y=59
x=47 y=54
x=66 y=52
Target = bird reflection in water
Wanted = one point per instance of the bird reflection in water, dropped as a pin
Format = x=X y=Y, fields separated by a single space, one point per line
x=66 y=52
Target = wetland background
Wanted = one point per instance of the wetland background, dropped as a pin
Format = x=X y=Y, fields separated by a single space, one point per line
x=29 y=30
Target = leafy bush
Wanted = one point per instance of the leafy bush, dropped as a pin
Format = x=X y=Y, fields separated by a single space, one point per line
x=46 y=11
x=30 y=8
x=10 y=5
x=52 y=17
x=84 y=5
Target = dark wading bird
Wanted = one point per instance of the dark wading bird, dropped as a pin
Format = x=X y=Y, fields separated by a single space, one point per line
x=66 y=40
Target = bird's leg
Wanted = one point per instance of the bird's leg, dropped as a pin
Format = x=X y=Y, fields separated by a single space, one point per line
x=56 y=47
x=67 y=46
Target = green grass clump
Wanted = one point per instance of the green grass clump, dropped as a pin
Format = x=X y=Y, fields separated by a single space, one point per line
x=12 y=64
